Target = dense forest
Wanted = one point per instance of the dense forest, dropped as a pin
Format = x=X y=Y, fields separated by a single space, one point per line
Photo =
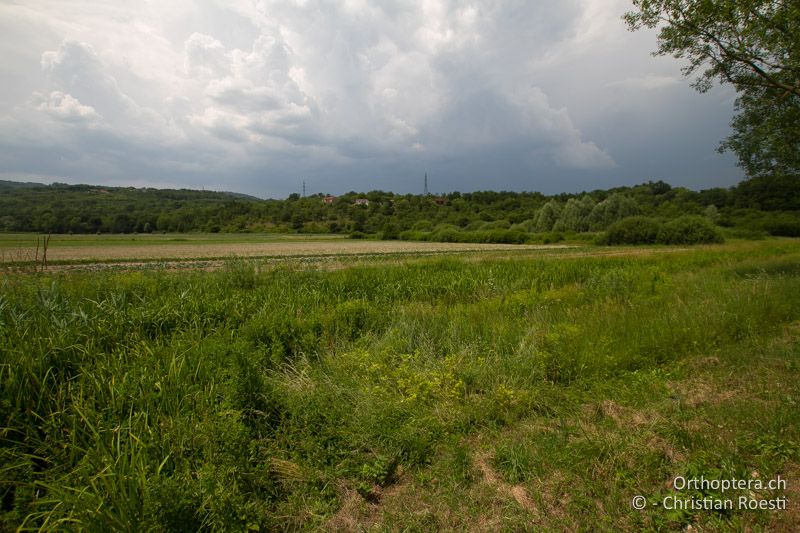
x=758 y=206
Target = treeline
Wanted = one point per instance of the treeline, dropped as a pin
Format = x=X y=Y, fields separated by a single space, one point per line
x=757 y=206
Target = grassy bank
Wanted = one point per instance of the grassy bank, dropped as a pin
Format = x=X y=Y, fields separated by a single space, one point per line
x=413 y=394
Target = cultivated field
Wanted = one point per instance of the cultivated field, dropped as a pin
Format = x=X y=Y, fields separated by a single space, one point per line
x=120 y=248
x=508 y=390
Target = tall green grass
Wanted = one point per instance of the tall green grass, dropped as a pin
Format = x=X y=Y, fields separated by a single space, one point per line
x=246 y=398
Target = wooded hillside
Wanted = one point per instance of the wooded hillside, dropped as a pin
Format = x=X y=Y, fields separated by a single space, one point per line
x=766 y=205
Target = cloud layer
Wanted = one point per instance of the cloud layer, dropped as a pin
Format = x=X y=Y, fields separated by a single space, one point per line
x=257 y=96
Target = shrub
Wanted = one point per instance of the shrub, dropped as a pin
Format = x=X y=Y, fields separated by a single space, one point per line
x=744 y=233
x=783 y=224
x=474 y=225
x=633 y=230
x=422 y=225
x=446 y=234
x=550 y=237
x=689 y=230
x=497 y=224
x=390 y=232
x=500 y=236
x=412 y=235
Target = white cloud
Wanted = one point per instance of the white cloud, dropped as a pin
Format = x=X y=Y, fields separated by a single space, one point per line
x=75 y=69
x=205 y=56
x=65 y=107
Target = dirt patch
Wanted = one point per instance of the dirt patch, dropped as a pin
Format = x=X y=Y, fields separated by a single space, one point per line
x=517 y=492
x=624 y=416
x=789 y=518
x=554 y=493
x=695 y=393
x=657 y=443
x=355 y=514
x=359 y=514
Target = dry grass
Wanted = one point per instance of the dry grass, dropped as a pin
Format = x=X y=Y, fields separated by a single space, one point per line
x=493 y=479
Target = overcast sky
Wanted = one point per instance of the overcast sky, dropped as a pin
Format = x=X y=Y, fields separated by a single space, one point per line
x=257 y=96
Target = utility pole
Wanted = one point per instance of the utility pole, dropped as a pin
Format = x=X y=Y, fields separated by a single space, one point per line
x=426 y=184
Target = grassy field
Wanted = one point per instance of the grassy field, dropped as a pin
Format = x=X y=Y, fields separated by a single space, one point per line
x=484 y=392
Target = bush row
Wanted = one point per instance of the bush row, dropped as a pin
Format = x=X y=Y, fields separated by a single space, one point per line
x=631 y=230
x=687 y=229
x=453 y=234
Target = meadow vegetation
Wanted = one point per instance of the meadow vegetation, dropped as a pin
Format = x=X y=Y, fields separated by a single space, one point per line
x=482 y=393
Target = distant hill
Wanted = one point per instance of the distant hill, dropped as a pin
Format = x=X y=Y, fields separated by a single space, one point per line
x=62 y=208
x=5 y=184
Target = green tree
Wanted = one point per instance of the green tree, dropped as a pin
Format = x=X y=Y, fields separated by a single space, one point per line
x=390 y=231
x=122 y=224
x=712 y=213
x=615 y=207
x=753 y=45
x=359 y=220
x=766 y=133
x=297 y=221
x=574 y=216
x=547 y=216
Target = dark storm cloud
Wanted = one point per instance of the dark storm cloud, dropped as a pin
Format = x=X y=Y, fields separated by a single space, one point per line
x=258 y=97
